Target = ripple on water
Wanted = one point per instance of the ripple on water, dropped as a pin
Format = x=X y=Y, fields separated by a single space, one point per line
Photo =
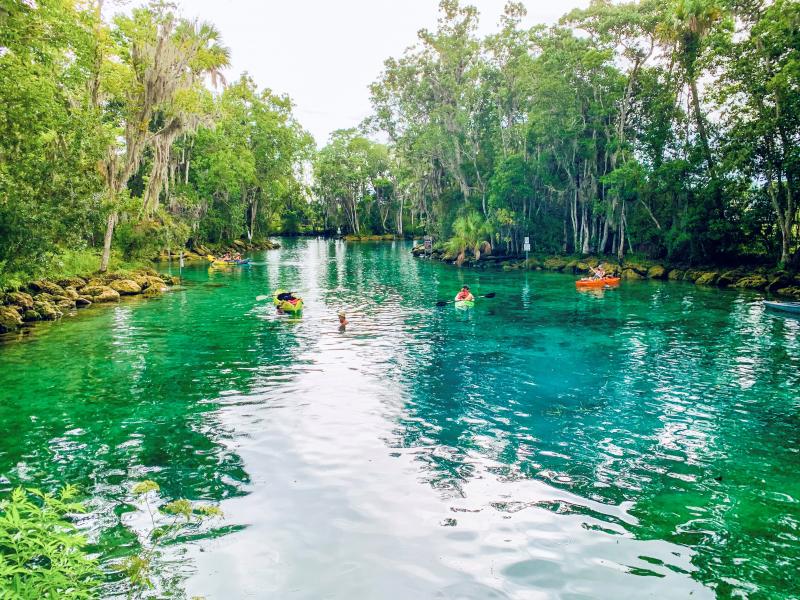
x=547 y=444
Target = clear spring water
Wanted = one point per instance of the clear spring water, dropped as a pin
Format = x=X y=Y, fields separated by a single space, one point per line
x=641 y=442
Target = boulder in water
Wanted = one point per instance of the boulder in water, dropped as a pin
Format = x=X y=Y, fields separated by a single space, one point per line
x=791 y=291
x=631 y=274
x=10 y=318
x=656 y=272
x=65 y=303
x=635 y=267
x=100 y=293
x=20 y=299
x=752 y=282
x=82 y=302
x=47 y=311
x=30 y=315
x=153 y=291
x=554 y=264
x=729 y=278
x=708 y=278
x=126 y=287
x=676 y=275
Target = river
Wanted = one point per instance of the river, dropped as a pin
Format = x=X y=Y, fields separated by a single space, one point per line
x=640 y=442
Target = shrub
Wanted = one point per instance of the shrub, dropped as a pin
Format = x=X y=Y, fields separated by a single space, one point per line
x=42 y=553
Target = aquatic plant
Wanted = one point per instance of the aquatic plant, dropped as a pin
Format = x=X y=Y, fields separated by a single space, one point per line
x=42 y=553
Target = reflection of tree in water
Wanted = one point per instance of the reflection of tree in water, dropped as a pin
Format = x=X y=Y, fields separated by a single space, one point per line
x=670 y=427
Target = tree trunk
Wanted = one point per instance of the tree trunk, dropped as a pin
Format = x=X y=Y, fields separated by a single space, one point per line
x=701 y=126
x=111 y=223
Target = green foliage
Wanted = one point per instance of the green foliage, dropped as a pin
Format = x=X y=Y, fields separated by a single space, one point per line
x=49 y=145
x=595 y=136
x=169 y=521
x=42 y=554
x=470 y=234
x=110 y=127
x=354 y=185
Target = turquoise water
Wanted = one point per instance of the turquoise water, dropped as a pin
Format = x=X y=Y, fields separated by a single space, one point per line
x=640 y=442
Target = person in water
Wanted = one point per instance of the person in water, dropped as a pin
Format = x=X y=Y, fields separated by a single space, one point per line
x=343 y=322
x=465 y=294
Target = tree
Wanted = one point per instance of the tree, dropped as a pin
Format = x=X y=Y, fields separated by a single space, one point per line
x=151 y=85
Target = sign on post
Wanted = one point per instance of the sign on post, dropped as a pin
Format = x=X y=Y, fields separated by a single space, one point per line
x=428 y=241
x=526 y=245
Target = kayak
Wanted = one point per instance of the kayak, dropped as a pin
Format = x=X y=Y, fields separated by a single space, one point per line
x=792 y=307
x=224 y=263
x=596 y=283
x=289 y=306
x=464 y=304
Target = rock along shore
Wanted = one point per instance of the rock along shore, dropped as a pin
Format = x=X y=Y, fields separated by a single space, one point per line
x=775 y=281
x=46 y=300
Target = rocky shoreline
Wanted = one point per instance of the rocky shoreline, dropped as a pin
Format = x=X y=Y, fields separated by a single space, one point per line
x=45 y=300
x=48 y=300
x=774 y=281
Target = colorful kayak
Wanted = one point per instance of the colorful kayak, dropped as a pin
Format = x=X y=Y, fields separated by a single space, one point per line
x=289 y=306
x=226 y=263
x=464 y=304
x=596 y=283
x=792 y=307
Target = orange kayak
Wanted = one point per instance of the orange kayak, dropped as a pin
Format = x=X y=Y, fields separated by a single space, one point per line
x=591 y=283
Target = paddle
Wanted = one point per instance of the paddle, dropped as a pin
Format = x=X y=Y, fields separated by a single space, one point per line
x=446 y=302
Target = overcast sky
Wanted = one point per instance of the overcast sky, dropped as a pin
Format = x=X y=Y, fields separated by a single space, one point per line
x=324 y=53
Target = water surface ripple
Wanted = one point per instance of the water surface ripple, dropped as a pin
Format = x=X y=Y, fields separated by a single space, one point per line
x=642 y=442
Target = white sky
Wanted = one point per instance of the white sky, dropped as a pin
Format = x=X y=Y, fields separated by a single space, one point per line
x=325 y=53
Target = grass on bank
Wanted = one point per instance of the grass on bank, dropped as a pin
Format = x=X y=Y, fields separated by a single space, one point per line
x=67 y=263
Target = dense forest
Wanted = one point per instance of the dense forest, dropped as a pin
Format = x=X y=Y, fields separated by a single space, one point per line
x=668 y=128
x=123 y=138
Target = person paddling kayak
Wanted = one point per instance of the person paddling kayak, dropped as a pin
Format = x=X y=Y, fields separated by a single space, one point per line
x=465 y=294
x=599 y=272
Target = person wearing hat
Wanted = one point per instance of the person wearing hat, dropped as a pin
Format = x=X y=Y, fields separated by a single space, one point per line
x=464 y=294
x=343 y=322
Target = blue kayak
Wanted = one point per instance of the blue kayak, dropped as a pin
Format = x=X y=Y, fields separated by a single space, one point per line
x=792 y=307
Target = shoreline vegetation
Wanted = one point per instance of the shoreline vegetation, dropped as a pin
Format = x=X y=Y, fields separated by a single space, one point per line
x=50 y=298
x=663 y=129
x=760 y=278
x=658 y=129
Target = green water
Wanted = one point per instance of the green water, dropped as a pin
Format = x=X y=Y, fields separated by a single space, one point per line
x=641 y=442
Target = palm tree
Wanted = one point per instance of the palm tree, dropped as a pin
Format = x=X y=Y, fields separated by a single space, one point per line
x=470 y=232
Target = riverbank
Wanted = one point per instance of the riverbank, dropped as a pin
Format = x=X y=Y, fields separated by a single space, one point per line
x=47 y=300
x=774 y=281
x=50 y=298
x=581 y=418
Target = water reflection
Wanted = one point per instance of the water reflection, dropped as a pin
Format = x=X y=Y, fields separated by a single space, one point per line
x=550 y=442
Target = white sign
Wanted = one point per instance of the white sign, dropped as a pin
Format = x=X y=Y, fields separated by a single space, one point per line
x=526 y=246
x=527 y=241
x=428 y=240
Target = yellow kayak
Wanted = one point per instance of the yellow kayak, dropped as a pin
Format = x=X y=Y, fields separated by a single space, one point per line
x=294 y=305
